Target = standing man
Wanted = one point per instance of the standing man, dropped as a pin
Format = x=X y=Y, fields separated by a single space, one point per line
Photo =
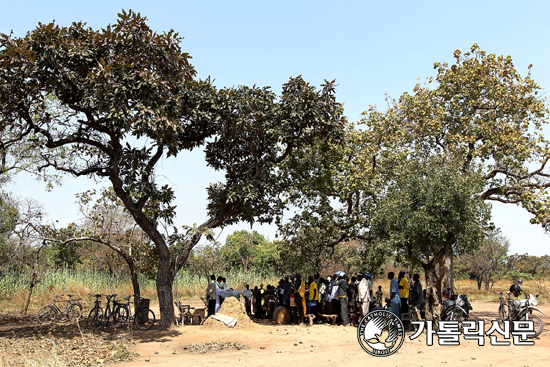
x=363 y=294
x=313 y=296
x=395 y=298
x=328 y=297
x=300 y=298
x=342 y=297
x=219 y=298
x=417 y=296
x=370 y=288
x=286 y=292
x=211 y=295
x=403 y=291
x=335 y=302
x=247 y=293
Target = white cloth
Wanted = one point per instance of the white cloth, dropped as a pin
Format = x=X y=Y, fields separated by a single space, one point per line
x=328 y=293
x=334 y=292
x=218 y=293
x=227 y=320
x=364 y=292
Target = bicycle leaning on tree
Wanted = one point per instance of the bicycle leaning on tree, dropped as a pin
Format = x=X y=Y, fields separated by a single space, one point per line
x=144 y=318
x=49 y=313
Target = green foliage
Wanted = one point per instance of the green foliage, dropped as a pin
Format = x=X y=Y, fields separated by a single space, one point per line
x=486 y=262
x=431 y=205
x=485 y=115
x=527 y=266
x=111 y=103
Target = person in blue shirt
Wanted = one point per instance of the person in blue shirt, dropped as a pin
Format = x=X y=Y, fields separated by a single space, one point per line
x=395 y=298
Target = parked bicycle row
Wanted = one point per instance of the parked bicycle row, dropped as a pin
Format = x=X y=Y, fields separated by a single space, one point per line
x=117 y=312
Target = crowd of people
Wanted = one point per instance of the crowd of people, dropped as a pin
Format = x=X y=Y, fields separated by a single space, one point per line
x=338 y=294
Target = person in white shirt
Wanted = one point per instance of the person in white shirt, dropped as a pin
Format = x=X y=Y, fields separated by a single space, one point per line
x=364 y=292
x=211 y=295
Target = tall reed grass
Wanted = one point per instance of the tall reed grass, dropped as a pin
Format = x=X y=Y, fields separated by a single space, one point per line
x=14 y=287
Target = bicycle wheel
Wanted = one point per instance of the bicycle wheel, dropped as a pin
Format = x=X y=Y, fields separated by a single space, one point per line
x=95 y=317
x=108 y=314
x=74 y=313
x=503 y=312
x=144 y=319
x=538 y=324
x=46 y=315
x=121 y=315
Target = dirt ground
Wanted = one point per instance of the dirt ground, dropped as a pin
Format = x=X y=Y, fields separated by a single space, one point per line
x=276 y=345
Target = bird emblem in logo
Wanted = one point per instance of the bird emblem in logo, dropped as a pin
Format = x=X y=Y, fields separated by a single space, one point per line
x=381 y=333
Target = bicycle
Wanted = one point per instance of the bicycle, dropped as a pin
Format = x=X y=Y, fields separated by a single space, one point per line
x=95 y=317
x=504 y=308
x=49 y=313
x=117 y=312
x=144 y=318
x=109 y=311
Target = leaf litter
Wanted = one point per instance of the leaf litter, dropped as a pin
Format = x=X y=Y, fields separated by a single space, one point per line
x=25 y=344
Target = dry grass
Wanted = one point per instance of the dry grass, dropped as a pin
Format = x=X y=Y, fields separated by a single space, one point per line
x=12 y=300
x=13 y=291
x=469 y=287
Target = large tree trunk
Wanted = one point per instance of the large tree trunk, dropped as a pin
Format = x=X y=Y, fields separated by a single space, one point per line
x=165 y=281
x=444 y=266
x=432 y=300
x=135 y=283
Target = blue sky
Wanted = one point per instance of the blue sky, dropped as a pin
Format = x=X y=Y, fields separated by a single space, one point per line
x=370 y=48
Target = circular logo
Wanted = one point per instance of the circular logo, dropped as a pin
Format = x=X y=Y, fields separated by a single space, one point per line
x=381 y=333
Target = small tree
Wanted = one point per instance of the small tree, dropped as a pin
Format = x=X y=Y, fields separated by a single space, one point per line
x=487 y=262
x=204 y=261
x=108 y=223
x=431 y=210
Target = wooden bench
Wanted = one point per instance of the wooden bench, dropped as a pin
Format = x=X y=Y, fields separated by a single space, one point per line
x=329 y=317
x=310 y=318
x=189 y=315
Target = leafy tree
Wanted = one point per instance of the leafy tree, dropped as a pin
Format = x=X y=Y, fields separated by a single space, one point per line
x=8 y=219
x=485 y=115
x=239 y=249
x=487 y=262
x=338 y=197
x=204 y=261
x=528 y=266
x=430 y=210
x=245 y=250
x=111 y=103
